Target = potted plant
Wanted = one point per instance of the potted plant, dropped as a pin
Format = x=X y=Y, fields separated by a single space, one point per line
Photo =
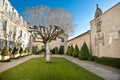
x=26 y=51
x=15 y=53
x=5 y=54
x=21 y=52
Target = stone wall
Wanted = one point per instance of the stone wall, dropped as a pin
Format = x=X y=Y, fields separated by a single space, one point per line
x=107 y=41
x=16 y=27
x=79 y=40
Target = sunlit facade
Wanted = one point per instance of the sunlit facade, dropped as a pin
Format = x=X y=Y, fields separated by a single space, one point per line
x=103 y=39
x=13 y=28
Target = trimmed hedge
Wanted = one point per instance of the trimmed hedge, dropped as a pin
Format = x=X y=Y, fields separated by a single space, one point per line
x=68 y=50
x=84 y=52
x=5 y=51
x=76 y=51
x=36 y=50
x=92 y=58
x=21 y=50
x=15 y=51
x=71 y=50
x=113 y=62
x=61 y=50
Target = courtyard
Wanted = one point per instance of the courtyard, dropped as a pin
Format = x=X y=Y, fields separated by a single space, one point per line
x=62 y=67
x=59 y=40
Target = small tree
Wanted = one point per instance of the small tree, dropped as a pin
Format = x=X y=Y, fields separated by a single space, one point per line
x=21 y=51
x=61 y=50
x=36 y=50
x=68 y=50
x=5 y=51
x=71 y=50
x=76 y=51
x=84 y=52
x=15 y=51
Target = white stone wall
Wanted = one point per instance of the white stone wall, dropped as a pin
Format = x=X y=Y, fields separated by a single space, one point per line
x=109 y=46
x=79 y=40
x=14 y=20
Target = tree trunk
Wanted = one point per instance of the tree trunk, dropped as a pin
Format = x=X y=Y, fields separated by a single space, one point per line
x=47 y=52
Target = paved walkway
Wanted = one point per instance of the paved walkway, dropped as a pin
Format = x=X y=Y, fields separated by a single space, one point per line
x=105 y=72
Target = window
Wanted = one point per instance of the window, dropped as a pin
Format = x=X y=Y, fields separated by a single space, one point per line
x=14 y=15
x=20 y=32
x=98 y=26
x=12 y=11
x=6 y=7
x=62 y=40
x=14 y=33
x=4 y=25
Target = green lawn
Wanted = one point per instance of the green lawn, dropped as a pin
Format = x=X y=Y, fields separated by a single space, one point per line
x=58 y=69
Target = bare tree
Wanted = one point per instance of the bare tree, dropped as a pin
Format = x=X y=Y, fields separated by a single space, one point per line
x=49 y=24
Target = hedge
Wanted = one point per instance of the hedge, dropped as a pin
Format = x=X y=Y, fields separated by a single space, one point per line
x=5 y=51
x=84 y=52
x=61 y=50
x=15 y=51
x=113 y=62
x=76 y=51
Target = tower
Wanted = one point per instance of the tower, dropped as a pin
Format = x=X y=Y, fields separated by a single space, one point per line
x=98 y=11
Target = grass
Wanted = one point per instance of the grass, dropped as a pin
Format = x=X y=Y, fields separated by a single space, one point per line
x=58 y=69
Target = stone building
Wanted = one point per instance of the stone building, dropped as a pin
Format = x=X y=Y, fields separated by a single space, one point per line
x=103 y=39
x=79 y=40
x=61 y=41
x=13 y=28
x=105 y=32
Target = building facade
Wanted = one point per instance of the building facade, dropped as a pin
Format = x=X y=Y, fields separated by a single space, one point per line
x=79 y=40
x=13 y=28
x=103 y=39
x=61 y=41
x=105 y=32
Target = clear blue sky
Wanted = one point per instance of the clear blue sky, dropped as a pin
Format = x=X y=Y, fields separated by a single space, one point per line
x=83 y=10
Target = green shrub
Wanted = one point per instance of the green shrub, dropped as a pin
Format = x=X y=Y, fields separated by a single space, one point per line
x=15 y=51
x=5 y=51
x=68 y=50
x=71 y=50
x=21 y=50
x=91 y=58
x=76 y=51
x=27 y=50
x=61 y=50
x=113 y=62
x=36 y=50
x=84 y=52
